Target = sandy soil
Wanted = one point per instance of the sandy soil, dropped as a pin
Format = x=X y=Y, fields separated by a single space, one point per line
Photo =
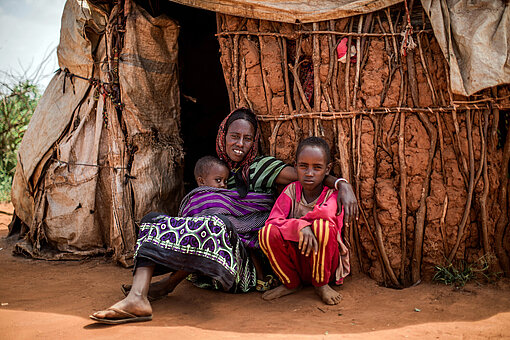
x=53 y=300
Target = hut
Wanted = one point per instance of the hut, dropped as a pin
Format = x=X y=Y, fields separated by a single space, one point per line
x=413 y=98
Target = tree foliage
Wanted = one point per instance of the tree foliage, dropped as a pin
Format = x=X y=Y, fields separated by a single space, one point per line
x=17 y=104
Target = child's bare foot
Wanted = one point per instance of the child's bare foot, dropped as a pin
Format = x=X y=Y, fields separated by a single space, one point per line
x=328 y=295
x=278 y=292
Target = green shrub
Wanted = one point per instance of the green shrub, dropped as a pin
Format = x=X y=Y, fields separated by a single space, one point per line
x=17 y=104
x=461 y=272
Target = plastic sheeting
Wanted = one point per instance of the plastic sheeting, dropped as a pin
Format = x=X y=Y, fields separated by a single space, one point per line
x=86 y=174
x=291 y=11
x=475 y=39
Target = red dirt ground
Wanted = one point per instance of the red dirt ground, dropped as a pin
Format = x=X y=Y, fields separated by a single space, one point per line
x=53 y=300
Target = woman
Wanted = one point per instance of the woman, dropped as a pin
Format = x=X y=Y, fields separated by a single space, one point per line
x=237 y=145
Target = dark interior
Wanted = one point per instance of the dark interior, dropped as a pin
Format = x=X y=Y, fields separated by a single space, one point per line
x=204 y=97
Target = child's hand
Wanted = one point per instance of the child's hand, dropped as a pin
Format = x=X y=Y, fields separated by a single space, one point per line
x=307 y=241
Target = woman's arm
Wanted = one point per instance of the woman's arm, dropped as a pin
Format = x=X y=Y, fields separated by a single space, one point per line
x=346 y=197
x=286 y=176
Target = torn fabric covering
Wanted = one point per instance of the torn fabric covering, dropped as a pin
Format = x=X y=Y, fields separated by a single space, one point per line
x=88 y=172
x=475 y=39
x=291 y=11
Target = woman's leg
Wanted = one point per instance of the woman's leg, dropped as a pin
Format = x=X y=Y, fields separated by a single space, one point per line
x=136 y=302
x=164 y=286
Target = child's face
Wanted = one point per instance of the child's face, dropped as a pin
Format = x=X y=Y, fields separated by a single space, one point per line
x=312 y=167
x=216 y=177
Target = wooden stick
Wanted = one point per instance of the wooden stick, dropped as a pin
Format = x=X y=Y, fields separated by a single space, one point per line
x=403 y=195
x=483 y=198
x=457 y=139
x=235 y=72
x=374 y=241
x=354 y=235
x=443 y=176
x=455 y=148
x=396 y=54
x=402 y=95
x=328 y=98
x=316 y=59
x=242 y=83
x=482 y=147
x=342 y=151
x=378 y=228
x=395 y=48
x=358 y=62
x=426 y=69
x=442 y=225
x=367 y=27
x=223 y=42
x=296 y=91
x=358 y=157
x=390 y=133
x=462 y=225
x=297 y=128
x=286 y=75
x=353 y=146
x=334 y=85
x=411 y=74
x=495 y=124
x=448 y=83
x=332 y=58
x=419 y=230
x=267 y=88
x=328 y=115
x=272 y=139
x=295 y=34
x=347 y=66
x=300 y=88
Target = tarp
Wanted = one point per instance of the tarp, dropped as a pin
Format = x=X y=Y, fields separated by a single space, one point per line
x=291 y=11
x=86 y=172
x=475 y=39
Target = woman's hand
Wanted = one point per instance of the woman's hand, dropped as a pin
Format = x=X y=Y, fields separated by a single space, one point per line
x=307 y=241
x=347 y=199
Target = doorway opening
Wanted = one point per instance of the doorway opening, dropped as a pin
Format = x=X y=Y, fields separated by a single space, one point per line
x=204 y=97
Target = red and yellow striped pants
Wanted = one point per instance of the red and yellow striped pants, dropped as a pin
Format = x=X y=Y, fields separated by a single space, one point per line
x=294 y=268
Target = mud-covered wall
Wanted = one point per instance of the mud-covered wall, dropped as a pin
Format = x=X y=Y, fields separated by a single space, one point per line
x=396 y=131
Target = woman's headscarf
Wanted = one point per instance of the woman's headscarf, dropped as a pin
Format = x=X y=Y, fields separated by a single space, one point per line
x=241 y=169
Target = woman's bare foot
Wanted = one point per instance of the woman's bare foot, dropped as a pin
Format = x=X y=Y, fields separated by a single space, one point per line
x=278 y=292
x=132 y=304
x=328 y=295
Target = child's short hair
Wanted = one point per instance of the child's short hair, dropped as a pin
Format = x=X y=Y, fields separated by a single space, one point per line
x=205 y=163
x=317 y=142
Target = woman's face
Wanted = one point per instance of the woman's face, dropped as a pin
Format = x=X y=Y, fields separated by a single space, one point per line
x=239 y=139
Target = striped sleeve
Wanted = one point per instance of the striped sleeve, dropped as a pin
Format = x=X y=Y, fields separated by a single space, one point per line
x=263 y=173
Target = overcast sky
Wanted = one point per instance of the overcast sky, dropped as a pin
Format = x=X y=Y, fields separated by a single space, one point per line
x=29 y=31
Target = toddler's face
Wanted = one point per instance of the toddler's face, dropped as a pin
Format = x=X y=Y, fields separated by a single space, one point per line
x=216 y=177
x=312 y=167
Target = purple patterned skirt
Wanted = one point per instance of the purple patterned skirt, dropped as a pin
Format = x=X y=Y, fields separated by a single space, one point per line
x=205 y=245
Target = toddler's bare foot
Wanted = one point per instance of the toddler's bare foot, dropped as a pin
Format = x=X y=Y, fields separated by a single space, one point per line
x=328 y=295
x=278 y=292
